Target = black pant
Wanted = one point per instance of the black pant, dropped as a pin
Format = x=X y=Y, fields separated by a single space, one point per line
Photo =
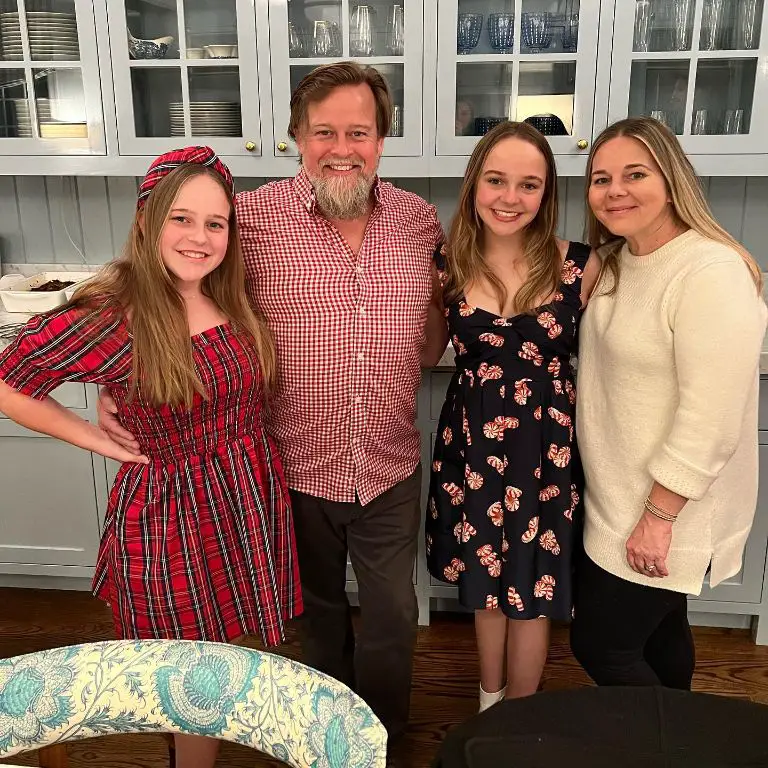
x=381 y=538
x=629 y=634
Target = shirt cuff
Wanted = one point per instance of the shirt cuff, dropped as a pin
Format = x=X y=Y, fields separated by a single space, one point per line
x=679 y=475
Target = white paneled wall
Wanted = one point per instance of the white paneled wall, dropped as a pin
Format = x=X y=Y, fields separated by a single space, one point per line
x=51 y=219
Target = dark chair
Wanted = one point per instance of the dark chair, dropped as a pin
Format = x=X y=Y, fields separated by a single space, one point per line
x=612 y=728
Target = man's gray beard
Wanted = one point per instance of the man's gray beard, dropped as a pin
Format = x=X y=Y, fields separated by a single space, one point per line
x=338 y=199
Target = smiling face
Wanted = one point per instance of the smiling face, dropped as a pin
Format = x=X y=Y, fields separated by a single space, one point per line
x=340 y=150
x=627 y=191
x=195 y=236
x=510 y=187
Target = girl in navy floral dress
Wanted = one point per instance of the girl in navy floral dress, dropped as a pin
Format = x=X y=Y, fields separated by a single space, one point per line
x=198 y=542
x=504 y=488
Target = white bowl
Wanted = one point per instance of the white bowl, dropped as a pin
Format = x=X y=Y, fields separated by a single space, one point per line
x=16 y=292
x=218 y=51
x=195 y=53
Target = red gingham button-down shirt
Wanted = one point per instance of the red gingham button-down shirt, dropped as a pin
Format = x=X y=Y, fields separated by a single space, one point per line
x=349 y=330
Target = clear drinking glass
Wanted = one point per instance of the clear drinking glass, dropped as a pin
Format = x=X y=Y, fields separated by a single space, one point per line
x=746 y=27
x=395 y=31
x=712 y=19
x=326 y=38
x=361 y=31
x=734 y=121
x=642 y=26
x=700 y=122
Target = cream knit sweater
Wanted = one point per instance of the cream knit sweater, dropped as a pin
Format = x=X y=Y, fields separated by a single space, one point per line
x=668 y=391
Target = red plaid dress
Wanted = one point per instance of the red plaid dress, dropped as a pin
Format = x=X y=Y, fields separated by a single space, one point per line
x=197 y=545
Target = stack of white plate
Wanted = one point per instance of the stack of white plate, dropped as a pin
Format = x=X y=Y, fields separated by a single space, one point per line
x=23 y=119
x=208 y=118
x=52 y=36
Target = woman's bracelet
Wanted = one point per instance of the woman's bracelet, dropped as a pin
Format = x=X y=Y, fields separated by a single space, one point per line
x=662 y=514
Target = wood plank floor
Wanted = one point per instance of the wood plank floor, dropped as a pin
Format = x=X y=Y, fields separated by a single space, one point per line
x=445 y=675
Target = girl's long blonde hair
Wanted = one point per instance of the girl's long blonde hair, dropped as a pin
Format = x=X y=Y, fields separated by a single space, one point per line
x=688 y=201
x=139 y=286
x=464 y=250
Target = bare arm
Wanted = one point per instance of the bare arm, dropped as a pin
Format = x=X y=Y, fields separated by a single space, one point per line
x=591 y=273
x=51 y=418
x=436 y=328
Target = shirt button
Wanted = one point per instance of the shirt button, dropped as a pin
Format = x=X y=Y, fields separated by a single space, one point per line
x=360 y=356
x=361 y=310
x=358 y=399
x=359 y=269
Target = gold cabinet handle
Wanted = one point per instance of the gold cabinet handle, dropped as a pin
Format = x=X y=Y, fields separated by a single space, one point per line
x=282 y=146
x=582 y=143
x=250 y=146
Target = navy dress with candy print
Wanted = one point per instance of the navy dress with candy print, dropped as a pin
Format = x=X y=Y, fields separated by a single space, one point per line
x=505 y=485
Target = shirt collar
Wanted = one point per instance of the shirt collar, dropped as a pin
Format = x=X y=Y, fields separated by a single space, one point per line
x=305 y=192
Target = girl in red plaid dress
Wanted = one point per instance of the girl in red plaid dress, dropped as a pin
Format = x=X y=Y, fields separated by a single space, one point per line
x=198 y=543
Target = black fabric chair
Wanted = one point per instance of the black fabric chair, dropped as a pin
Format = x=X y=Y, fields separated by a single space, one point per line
x=612 y=728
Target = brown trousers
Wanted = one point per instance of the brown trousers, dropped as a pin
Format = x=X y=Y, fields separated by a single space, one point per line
x=381 y=539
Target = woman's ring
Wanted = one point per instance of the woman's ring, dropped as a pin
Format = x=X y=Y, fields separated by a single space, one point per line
x=650 y=568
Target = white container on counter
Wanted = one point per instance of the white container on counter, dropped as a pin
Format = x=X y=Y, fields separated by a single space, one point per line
x=16 y=292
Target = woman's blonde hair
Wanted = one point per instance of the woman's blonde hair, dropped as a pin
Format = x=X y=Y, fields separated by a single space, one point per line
x=464 y=249
x=139 y=286
x=688 y=201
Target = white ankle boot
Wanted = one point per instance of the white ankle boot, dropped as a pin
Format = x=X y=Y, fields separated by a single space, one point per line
x=487 y=700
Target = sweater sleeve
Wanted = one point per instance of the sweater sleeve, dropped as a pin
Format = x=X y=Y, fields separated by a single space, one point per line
x=718 y=327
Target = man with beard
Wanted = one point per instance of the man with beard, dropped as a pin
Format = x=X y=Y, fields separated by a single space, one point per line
x=340 y=263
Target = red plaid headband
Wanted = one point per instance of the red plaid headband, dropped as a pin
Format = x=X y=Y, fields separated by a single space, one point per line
x=164 y=164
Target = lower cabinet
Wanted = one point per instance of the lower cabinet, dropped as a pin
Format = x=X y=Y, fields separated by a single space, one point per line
x=744 y=594
x=53 y=497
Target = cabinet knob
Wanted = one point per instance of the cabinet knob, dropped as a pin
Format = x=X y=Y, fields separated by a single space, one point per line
x=250 y=146
x=582 y=143
x=282 y=146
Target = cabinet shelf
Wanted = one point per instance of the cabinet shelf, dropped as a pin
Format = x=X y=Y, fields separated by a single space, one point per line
x=307 y=61
x=688 y=55
x=501 y=58
x=191 y=63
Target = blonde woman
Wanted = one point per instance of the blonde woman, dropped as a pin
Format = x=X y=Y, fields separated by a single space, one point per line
x=198 y=543
x=505 y=488
x=667 y=410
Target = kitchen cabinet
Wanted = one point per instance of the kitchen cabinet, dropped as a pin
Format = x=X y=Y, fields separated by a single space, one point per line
x=386 y=34
x=527 y=59
x=102 y=87
x=185 y=71
x=50 y=89
x=54 y=497
x=696 y=65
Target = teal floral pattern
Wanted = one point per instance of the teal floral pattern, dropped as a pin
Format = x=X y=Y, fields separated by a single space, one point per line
x=198 y=689
x=33 y=696
x=335 y=735
x=272 y=704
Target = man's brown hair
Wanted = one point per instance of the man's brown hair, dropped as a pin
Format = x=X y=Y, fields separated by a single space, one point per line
x=321 y=81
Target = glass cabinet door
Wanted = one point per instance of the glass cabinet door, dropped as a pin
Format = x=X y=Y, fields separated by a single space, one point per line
x=185 y=73
x=50 y=97
x=386 y=34
x=696 y=65
x=528 y=60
